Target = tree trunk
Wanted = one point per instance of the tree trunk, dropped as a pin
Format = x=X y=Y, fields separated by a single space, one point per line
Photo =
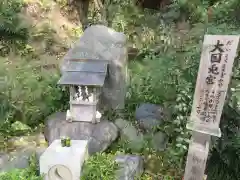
x=82 y=9
x=99 y=5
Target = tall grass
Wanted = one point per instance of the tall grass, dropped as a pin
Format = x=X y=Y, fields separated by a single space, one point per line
x=28 y=94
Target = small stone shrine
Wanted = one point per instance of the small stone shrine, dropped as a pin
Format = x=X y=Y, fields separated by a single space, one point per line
x=85 y=79
x=100 y=43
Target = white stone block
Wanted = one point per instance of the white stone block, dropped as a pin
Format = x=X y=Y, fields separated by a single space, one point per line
x=60 y=163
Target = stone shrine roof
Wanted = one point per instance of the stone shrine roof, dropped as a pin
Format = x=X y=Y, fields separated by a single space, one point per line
x=85 y=72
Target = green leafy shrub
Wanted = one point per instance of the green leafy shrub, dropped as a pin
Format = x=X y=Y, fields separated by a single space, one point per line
x=12 y=29
x=186 y=10
x=225 y=156
x=30 y=173
x=222 y=11
x=100 y=166
x=28 y=95
x=226 y=11
x=18 y=174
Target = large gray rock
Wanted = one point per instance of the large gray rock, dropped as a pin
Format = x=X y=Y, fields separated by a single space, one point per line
x=19 y=159
x=102 y=43
x=131 y=134
x=159 y=141
x=131 y=166
x=100 y=135
x=149 y=116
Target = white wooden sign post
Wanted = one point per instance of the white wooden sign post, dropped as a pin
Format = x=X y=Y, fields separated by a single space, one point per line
x=218 y=54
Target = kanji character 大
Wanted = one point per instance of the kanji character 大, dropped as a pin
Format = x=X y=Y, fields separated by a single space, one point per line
x=218 y=47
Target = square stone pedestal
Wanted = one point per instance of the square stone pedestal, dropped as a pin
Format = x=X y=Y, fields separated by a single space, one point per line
x=59 y=162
